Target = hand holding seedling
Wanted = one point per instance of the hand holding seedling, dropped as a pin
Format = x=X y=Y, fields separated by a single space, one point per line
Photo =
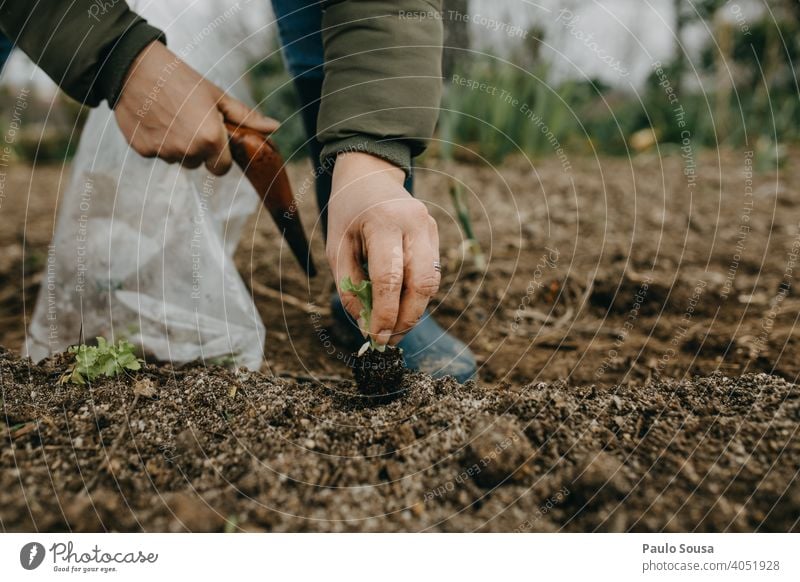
x=373 y=219
x=380 y=371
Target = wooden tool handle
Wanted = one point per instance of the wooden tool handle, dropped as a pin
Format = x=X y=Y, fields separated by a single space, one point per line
x=263 y=165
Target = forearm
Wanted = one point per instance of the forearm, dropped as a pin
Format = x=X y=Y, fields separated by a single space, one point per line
x=85 y=46
x=382 y=77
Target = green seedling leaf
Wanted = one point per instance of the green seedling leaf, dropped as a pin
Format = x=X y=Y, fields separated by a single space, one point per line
x=462 y=212
x=364 y=293
x=104 y=359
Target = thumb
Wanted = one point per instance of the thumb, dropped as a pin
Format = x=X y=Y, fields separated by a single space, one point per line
x=237 y=112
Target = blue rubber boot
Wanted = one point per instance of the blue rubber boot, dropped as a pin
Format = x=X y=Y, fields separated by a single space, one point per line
x=426 y=348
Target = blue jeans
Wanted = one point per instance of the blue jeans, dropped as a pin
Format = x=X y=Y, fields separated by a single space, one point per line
x=299 y=25
x=5 y=49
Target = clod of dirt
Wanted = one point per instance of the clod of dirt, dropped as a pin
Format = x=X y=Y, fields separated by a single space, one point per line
x=103 y=510
x=498 y=451
x=598 y=476
x=144 y=388
x=380 y=375
x=193 y=513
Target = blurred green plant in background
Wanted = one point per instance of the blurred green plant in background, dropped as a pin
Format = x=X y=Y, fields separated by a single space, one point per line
x=741 y=92
x=38 y=129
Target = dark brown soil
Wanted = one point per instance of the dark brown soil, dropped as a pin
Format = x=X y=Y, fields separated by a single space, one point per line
x=213 y=450
x=379 y=375
x=638 y=364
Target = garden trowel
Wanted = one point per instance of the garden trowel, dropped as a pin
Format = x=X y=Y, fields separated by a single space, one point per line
x=260 y=161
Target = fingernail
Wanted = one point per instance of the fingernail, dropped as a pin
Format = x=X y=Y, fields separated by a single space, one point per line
x=384 y=336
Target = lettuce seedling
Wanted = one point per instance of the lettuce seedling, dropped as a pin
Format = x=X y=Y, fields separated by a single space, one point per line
x=379 y=370
x=104 y=359
x=364 y=293
x=462 y=212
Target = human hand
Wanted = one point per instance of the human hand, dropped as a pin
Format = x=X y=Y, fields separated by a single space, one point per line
x=373 y=219
x=168 y=110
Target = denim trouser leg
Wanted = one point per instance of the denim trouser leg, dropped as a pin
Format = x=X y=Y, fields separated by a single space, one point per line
x=5 y=49
x=299 y=28
x=299 y=23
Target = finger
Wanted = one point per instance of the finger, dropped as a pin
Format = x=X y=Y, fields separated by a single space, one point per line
x=237 y=112
x=172 y=155
x=193 y=158
x=209 y=146
x=344 y=263
x=421 y=279
x=219 y=162
x=190 y=162
x=384 y=251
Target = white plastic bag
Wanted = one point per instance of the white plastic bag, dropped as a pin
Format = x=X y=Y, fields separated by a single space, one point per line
x=142 y=249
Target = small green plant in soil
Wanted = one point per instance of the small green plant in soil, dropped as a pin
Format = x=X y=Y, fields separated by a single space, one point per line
x=462 y=211
x=104 y=359
x=379 y=370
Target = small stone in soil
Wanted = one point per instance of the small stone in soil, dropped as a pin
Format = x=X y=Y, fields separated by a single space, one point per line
x=380 y=375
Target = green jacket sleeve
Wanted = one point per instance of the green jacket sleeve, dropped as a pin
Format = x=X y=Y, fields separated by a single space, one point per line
x=383 y=78
x=85 y=46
